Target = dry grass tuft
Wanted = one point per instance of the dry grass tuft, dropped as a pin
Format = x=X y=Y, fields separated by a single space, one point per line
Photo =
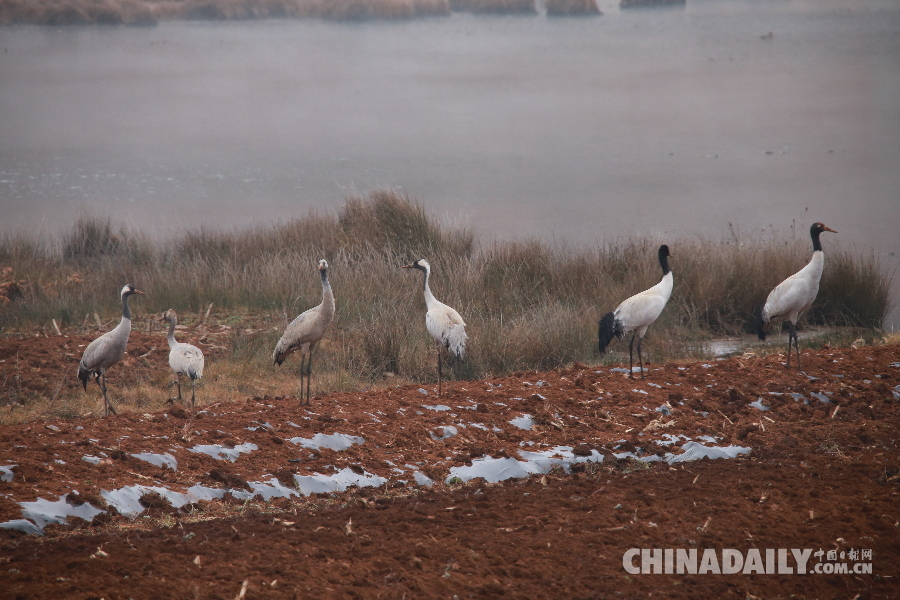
x=643 y=3
x=561 y=8
x=78 y=12
x=528 y=304
x=149 y=12
x=494 y=6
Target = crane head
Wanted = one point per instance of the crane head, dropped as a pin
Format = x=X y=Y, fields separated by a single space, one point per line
x=169 y=316
x=129 y=289
x=819 y=227
x=420 y=264
x=323 y=265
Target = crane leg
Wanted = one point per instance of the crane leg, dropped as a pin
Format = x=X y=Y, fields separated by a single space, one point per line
x=439 y=371
x=302 y=373
x=101 y=381
x=102 y=391
x=308 y=375
x=793 y=335
x=178 y=387
x=192 y=393
x=631 y=356
x=640 y=359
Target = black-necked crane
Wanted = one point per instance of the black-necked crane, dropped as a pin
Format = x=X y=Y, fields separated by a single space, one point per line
x=107 y=350
x=637 y=313
x=444 y=324
x=795 y=294
x=307 y=330
x=184 y=359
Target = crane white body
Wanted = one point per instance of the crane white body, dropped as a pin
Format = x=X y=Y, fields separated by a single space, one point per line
x=795 y=295
x=641 y=310
x=107 y=350
x=638 y=312
x=445 y=325
x=184 y=359
x=305 y=332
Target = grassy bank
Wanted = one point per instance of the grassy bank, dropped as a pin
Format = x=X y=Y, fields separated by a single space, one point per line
x=150 y=12
x=528 y=304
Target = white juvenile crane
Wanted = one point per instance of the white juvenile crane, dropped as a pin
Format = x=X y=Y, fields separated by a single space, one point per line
x=795 y=294
x=443 y=323
x=184 y=359
x=305 y=331
x=637 y=313
x=107 y=350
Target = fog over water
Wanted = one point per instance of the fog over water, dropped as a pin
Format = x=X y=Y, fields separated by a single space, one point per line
x=672 y=122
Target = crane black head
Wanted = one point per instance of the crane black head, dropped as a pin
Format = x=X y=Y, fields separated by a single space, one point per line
x=420 y=264
x=814 y=230
x=664 y=258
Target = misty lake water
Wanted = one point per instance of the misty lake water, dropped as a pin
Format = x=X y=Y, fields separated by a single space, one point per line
x=671 y=122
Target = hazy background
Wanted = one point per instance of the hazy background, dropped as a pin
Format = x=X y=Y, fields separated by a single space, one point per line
x=671 y=121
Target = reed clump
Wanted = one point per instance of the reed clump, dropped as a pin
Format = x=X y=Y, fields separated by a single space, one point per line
x=504 y=7
x=79 y=12
x=341 y=10
x=528 y=304
x=561 y=8
x=149 y=12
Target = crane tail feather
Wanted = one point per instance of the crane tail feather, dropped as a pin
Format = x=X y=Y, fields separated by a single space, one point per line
x=761 y=323
x=607 y=330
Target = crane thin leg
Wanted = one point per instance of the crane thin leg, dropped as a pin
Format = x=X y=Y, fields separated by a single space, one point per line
x=178 y=387
x=308 y=375
x=640 y=359
x=631 y=356
x=793 y=336
x=302 y=373
x=439 y=370
x=101 y=381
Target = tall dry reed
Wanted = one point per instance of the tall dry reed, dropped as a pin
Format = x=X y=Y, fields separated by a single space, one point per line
x=149 y=12
x=563 y=8
x=494 y=6
x=528 y=304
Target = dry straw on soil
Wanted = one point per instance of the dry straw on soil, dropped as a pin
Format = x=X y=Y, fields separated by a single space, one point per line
x=528 y=304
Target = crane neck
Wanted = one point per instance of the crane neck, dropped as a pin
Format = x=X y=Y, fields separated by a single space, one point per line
x=171 y=336
x=426 y=289
x=665 y=285
x=126 y=312
x=816 y=265
x=817 y=245
x=664 y=263
x=327 y=293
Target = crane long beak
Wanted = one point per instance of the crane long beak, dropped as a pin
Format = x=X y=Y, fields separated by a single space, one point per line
x=139 y=292
x=826 y=228
x=406 y=267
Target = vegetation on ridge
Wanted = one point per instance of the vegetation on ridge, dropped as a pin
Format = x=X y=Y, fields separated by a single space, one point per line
x=528 y=304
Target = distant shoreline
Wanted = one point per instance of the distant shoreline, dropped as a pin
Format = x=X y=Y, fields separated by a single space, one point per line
x=152 y=12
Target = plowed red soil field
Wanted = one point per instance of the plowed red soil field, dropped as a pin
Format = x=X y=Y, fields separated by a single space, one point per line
x=534 y=485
